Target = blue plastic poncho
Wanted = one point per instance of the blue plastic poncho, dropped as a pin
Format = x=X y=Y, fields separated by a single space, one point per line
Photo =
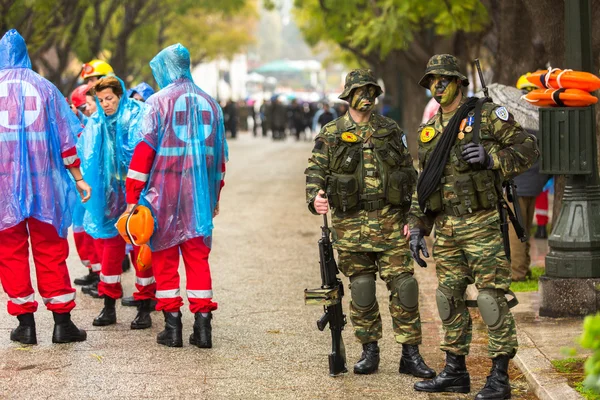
x=143 y=89
x=36 y=127
x=185 y=127
x=105 y=148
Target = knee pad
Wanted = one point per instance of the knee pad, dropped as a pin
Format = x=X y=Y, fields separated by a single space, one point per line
x=362 y=291
x=407 y=288
x=450 y=302
x=493 y=307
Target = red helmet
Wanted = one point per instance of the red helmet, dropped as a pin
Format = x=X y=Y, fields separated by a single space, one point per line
x=78 y=95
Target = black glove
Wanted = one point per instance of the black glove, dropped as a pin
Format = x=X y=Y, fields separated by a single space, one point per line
x=417 y=242
x=476 y=154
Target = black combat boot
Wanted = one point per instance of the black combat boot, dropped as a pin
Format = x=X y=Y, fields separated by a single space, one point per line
x=541 y=232
x=369 y=360
x=108 y=315
x=129 y=301
x=172 y=336
x=91 y=287
x=65 y=330
x=454 y=378
x=202 y=336
x=142 y=320
x=88 y=279
x=25 y=332
x=412 y=363
x=497 y=385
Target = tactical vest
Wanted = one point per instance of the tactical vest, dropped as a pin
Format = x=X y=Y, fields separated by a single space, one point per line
x=345 y=184
x=462 y=189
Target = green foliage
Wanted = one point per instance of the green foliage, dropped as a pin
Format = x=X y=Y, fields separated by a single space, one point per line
x=530 y=284
x=572 y=369
x=590 y=339
x=376 y=28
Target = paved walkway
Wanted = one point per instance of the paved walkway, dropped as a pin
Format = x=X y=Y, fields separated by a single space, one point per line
x=266 y=344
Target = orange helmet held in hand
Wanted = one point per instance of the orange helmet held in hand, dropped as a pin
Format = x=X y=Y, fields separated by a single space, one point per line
x=137 y=227
x=144 y=258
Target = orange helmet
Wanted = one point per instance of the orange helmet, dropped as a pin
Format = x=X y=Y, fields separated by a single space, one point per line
x=137 y=227
x=96 y=68
x=144 y=258
x=78 y=95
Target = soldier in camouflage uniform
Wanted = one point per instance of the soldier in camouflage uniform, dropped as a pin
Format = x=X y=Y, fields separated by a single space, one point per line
x=458 y=191
x=362 y=162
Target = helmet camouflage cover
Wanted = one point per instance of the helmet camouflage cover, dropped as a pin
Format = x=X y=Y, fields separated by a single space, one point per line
x=442 y=64
x=358 y=78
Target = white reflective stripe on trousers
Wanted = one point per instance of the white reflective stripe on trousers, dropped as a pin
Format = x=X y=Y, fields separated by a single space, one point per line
x=110 y=279
x=199 y=294
x=145 y=281
x=97 y=267
x=64 y=298
x=22 y=300
x=167 y=294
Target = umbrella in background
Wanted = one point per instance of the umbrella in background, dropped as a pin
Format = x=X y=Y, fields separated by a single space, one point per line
x=510 y=97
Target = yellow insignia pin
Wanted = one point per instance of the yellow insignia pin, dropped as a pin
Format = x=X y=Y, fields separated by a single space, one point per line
x=461 y=135
x=427 y=134
x=349 y=137
x=468 y=129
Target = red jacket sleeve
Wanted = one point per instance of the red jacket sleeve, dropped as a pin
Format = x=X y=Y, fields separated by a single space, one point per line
x=139 y=170
x=70 y=158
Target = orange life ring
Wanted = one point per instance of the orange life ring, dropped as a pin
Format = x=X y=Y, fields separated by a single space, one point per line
x=568 y=79
x=560 y=98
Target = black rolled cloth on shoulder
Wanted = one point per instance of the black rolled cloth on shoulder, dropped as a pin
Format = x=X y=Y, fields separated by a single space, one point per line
x=432 y=172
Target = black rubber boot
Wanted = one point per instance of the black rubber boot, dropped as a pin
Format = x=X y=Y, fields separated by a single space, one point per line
x=129 y=301
x=172 y=336
x=454 y=378
x=369 y=360
x=108 y=315
x=202 y=336
x=541 y=232
x=25 y=332
x=142 y=320
x=93 y=286
x=65 y=330
x=412 y=363
x=88 y=279
x=126 y=264
x=497 y=385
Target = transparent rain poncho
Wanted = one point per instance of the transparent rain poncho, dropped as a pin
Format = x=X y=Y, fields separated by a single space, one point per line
x=36 y=126
x=105 y=148
x=185 y=127
x=143 y=89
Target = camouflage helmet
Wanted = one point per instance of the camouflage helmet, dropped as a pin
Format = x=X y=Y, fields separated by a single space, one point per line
x=358 y=78
x=442 y=64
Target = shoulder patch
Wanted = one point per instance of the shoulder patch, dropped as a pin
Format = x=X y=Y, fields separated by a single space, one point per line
x=349 y=137
x=502 y=113
x=404 y=141
x=427 y=134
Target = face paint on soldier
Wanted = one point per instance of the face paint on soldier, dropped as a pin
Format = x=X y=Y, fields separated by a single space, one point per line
x=363 y=98
x=444 y=89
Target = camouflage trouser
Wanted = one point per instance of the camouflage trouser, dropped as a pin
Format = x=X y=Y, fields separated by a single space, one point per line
x=466 y=253
x=389 y=264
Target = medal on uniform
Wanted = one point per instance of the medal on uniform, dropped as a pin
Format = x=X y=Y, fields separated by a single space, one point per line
x=349 y=137
x=463 y=123
x=468 y=129
x=461 y=135
x=427 y=134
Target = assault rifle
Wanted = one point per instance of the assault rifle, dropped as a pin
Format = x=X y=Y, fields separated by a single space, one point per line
x=330 y=297
x=509 y=186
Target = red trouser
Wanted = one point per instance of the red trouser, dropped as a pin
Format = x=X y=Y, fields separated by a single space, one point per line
x=199 y=285
x=541 y=209
x=113 y=252
x=144 y=280
x=86 y=249
x=50 y=252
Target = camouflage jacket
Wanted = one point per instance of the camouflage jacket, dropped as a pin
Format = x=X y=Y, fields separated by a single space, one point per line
x=512 y=149
x=360 y=229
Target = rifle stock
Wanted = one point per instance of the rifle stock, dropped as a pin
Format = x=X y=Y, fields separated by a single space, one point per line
x=330 y=295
